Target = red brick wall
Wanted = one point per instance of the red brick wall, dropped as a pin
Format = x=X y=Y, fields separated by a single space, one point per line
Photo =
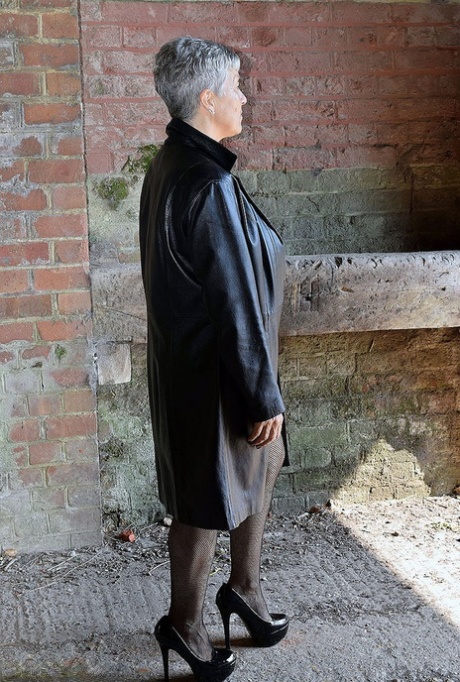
x=49 y=493
x=330 y=84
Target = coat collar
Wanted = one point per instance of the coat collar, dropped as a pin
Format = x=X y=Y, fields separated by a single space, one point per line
x=179 y=130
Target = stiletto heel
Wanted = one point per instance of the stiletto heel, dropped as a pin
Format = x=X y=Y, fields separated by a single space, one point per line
x=220 y=666
x=264 y=633
x=225 y=615
x=165 y=654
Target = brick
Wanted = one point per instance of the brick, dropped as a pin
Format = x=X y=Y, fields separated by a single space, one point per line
x=78 y=496
x=301 y=111
x=304 y=157
x=314 y=13
x=127 y=85
x=352 y=13
x=22 y=382
x=13 y=281
x=328 y=37
x=26 y=478
x=408 y=85
x=67 y=145
x=19 y=84
x=425 y=14
x=366 y=62
x=58 y=279
x=34 y=4
x=136 y=13
x=236 y=36
x=298 y=36
x=7 y=58
x=69 y=225
x=132 y=37
x=448 y=36
x=82 y=400
x=67 y=197
x=420 y=36
x=15 y=406
x=48 y=498
x=24 y=431
x=99 y=162
x=122 y=61
x=44 y=405
x=49 y=56
x=58 y=26
x=18 y=331
x=293 y=62
x=57 y=112
x=33 y=200
x=36 y=352
x=269 y=35
x=72 y=251
x=21 y=456
x=45 y=452
x=74 y=354
x=56 y=170
x=14 y=170
x=111 y=36
x=14 y=227
x=15 y=145
x=61 y=331
x=416 y=59
x=25 y=306
x=68 y=474
x=18 y=25
x=63 y=84
x=32 y=526
x=200 y=15
x=6 y=357
x=66 y=520
x=24 y=254
x=77 y=302
x=81 y=450
x=70 y=377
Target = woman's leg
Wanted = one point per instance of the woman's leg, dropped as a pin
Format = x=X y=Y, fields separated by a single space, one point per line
x=191 y=551
x=246 y=542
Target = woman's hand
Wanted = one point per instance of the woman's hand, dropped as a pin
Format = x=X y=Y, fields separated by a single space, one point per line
x=264 y=433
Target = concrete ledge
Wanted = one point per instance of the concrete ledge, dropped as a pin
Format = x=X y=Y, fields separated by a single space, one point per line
x=323 y=294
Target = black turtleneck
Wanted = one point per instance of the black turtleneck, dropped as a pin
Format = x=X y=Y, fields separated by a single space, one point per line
x=180 y=131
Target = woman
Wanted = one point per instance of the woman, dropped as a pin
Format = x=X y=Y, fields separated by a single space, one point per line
x=213 y=272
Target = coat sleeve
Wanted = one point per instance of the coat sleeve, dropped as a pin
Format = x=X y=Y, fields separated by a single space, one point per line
x=221 y=261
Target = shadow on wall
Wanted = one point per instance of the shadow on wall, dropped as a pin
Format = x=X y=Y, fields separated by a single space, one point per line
x=371 y=416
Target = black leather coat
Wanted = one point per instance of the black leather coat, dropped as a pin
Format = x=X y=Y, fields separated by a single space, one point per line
x=213 y=271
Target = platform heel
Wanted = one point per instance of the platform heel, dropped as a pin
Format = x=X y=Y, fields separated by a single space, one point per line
x=218 y=669
x=264 y=633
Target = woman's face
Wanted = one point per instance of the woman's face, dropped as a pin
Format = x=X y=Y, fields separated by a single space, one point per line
x=228 y=107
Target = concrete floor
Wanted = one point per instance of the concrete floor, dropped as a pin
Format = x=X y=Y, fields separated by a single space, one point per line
x=373 y=594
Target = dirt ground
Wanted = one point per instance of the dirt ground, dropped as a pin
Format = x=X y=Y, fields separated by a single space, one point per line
x=378 y=585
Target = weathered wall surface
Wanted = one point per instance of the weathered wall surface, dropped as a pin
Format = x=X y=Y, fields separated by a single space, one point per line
x=49 y=473
x=350 y=146
x=372 y=415
x=360 y=99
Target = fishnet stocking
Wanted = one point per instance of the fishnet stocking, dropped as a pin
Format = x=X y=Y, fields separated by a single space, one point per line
x=246 y=542
x=191 y=551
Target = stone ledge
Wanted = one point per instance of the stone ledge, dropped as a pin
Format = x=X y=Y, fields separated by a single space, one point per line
x=369 y=291
x=323 y=294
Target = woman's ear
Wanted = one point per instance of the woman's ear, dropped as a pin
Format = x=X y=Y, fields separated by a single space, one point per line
x=207 y=100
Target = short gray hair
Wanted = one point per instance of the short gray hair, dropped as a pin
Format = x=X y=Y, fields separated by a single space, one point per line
x=186 y=66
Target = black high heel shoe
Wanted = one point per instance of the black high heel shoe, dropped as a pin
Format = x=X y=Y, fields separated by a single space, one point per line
x=263 y=632
x=220 y=666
